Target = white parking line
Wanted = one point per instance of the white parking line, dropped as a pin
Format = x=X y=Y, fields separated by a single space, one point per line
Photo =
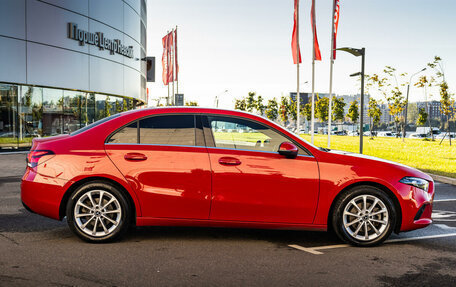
x=314 y=250
x=442 y=200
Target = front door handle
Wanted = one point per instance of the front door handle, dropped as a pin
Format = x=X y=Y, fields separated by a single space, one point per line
x=229 y=161
x=135 y=156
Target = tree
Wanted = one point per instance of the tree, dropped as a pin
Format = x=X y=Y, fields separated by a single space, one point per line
x=191 y=104
x=353 y=112
x=338 y=109
x=250 y=102
x=446 y=101
x=292 y=110
x=272 y=110
x=322 y=109
x=124 y=105
x=423 y=83
x=374 y=113
x=307 y=111
x=422 y=117
x=107 y=107
x=260 y=107
x=390 y=86
x=284 y=109
x=240 y=105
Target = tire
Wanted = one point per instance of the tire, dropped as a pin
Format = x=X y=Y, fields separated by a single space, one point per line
x=95 y=222
x=354 y=212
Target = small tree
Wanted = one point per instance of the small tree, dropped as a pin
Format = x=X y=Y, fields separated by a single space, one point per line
x=374 y=113
x=272 y=110
x=260 y=107
x=250 y=102
x=191 y=104
x=338 y=109
x=422 y=117
x=353 y=112
x=284 y=109
x=322 y=109
x=240 y=105
x=307 y=111
x=423 y=83
x=447 y=101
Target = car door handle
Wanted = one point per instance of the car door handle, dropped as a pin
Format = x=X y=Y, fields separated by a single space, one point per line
x=134 y=156
x=229 y=161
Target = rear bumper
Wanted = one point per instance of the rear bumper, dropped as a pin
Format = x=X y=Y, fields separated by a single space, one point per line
x=41 y=194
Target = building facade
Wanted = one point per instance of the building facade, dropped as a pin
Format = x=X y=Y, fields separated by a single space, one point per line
x=67 y=63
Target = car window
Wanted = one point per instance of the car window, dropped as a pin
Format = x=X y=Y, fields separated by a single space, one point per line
x=168 y=130
x=92 y=125
x=236 y=133
x=127 y=134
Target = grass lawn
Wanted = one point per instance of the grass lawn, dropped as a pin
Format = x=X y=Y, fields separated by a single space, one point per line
x=427 y=156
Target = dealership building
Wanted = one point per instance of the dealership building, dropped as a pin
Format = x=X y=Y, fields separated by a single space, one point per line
x=67 y=63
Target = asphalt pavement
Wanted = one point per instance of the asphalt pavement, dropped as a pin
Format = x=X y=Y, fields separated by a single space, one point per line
x=35 y=250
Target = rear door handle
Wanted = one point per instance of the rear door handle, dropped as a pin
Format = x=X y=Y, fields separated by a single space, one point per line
x=229 y=161
x=135 y=156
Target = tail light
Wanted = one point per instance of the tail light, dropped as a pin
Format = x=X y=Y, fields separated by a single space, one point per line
x=34 y=156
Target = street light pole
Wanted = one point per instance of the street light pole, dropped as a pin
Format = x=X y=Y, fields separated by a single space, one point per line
x=359 y=52
x=406 y=106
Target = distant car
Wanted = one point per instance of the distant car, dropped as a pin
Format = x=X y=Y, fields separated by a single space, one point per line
x=445 y=135
x=353 y=133
x=385 y=134
x=417 y=136
x=168 y=166
x=339 y=133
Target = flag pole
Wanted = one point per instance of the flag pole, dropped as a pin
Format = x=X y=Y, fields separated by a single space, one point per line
x=172 y=64
x=298 y=100
x=331 y=75
x=312 y=128
x=175 y=50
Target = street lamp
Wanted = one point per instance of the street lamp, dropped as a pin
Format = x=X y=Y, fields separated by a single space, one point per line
x=217 y=97
x=406 y=106
x=359 y=52
x=298 y=106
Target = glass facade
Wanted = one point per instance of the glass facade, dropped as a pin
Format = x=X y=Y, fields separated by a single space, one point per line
x=27 y=112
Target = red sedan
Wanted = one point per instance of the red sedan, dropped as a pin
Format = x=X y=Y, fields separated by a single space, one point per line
x=210 y=167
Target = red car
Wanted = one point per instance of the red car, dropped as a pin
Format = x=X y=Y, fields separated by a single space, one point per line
x=211 y=167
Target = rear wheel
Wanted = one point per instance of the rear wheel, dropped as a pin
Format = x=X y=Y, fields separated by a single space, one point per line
x=364 y=216
x=98 y=212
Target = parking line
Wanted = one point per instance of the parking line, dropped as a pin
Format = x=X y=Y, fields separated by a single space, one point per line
x=442 y=200
x=314 y=250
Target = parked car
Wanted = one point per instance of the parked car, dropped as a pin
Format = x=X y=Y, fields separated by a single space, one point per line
x=168 y=166
x=417 y=136
x=385 y=134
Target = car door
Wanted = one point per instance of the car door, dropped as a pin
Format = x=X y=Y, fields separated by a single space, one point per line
x=251 y=181
x=164 y=160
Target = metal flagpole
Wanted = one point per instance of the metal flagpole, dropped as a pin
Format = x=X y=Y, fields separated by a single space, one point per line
x=313 y=82
x=298 y=100
x=172 y=63
x=175 y=50
x=331 y=76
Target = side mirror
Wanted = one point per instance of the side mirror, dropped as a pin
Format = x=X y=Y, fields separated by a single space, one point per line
x=288 y=149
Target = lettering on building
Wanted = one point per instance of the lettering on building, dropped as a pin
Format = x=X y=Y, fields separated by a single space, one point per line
x=98 y=39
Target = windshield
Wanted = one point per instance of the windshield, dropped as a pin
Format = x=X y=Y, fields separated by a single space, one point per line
x=88 y=127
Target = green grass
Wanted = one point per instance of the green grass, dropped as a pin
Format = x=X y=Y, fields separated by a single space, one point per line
x=427 y=156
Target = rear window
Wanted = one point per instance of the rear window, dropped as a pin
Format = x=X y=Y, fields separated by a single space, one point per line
x=92 y=125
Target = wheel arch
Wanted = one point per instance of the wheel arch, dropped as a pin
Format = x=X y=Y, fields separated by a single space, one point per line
x=81 y=182
x=377 y=185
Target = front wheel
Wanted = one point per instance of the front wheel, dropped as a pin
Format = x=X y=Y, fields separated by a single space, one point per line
x=98 y=212
x=364 y=216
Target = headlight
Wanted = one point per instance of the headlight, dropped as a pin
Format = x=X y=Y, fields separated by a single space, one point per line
x=416 y=182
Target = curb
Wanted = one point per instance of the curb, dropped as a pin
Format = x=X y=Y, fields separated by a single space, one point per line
x=444 y=179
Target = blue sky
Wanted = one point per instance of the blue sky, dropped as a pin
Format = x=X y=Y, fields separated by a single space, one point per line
x=245 y=45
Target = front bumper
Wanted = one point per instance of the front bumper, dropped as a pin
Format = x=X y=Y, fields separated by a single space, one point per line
x=416 y=206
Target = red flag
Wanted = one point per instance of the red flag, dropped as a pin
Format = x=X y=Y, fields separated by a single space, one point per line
x=294 y=37
x=165 y=59
x=175 y=52
x=336 y=25
x=170 y=57
x=317 y=54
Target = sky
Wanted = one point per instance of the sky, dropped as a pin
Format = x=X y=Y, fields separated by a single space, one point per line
x=228 y=48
